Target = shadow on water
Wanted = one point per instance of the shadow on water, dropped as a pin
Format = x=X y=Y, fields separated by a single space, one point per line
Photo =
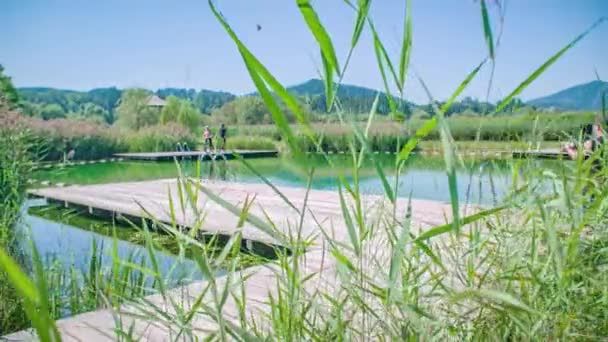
x=65 y=246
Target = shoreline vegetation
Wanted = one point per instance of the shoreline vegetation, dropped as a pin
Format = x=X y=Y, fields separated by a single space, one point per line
x=95 y=141
x=531 y=267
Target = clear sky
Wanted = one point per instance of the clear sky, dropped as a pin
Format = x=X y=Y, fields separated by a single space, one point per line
x=78 y=44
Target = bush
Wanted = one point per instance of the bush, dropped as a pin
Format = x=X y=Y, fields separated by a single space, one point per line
x=158 y=138
x=389 y=135
x=250 y=143
x=51 y=139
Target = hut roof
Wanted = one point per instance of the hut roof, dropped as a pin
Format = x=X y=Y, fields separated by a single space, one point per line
x=155 y=101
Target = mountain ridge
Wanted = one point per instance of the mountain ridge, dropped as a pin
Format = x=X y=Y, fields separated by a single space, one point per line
x=580 y=97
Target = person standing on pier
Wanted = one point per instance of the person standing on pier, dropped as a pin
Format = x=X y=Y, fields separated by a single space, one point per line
x=208 y=139
x=222 y=137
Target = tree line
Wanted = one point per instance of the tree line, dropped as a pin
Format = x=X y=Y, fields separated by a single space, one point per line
x=190 y=107
x=101 y=104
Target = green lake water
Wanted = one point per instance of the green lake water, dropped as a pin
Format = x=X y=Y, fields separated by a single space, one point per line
x=423 y=177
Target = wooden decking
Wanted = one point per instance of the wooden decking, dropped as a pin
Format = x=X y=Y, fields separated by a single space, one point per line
x=540 y=154
x=323 y=210
x=162 y=156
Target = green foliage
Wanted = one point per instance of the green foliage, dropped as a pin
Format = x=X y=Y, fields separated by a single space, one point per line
x=531 y=127
x=171 y=110
x=51 y=140
x=101 y=103
x=81 y=104
x=15 y=162
x=8 y=93
x=133 y=111
x=93 y=111
x=158 y=138
x=205 y=101
x=180 y=111
x=52 y=111
x=245 y=110
x=250 y=143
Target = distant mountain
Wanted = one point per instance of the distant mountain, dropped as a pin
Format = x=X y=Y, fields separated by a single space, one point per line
x=355 y=99
x=586 y=96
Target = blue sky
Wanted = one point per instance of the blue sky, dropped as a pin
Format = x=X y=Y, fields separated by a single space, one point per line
x=80 y=45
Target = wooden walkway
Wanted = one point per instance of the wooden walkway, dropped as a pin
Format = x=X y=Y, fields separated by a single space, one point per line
x=323 y=209
x=540 y=154
x=163 y=156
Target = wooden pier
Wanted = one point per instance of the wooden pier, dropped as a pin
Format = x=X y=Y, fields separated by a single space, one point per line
x=540 y=154
x=212 y=155
x=139 y=199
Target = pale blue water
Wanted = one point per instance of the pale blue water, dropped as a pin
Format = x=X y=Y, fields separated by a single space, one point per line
x=68 y=246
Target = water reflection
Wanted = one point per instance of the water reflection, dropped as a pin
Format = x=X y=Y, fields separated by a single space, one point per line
x=423 y=177
x=67 y=247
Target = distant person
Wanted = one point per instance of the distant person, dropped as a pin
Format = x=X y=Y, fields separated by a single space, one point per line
x=70 y=156
x=208 y=139
x=593 y=137
x=67 y=157
x=223 y=137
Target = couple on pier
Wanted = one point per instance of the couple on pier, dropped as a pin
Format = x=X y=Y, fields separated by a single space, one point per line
x=208 y=138
x=593 y=139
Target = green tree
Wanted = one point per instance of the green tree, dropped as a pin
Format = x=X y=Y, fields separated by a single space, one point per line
x=52 y=111
x=30 y=109
x=93 y=110
x=200 y=102
x=246 y=110
x=189 y=116
x=180 y=111
x=133 y=111
x=8 y=93
x=171 y=110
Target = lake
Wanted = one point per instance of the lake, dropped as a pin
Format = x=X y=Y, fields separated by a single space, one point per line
x=478 y=181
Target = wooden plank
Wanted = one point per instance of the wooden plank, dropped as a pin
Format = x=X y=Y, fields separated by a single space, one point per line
x=170 y=155
x=136 y=198
x=541 y=154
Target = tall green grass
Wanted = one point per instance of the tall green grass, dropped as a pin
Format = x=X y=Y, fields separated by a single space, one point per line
x=15 y=165
x=387 y=136
x=52 y=140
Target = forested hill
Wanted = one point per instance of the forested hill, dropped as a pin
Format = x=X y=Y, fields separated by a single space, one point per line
x=587 y=96
x=353 y=98
x=51 y=103
x=101 y=103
